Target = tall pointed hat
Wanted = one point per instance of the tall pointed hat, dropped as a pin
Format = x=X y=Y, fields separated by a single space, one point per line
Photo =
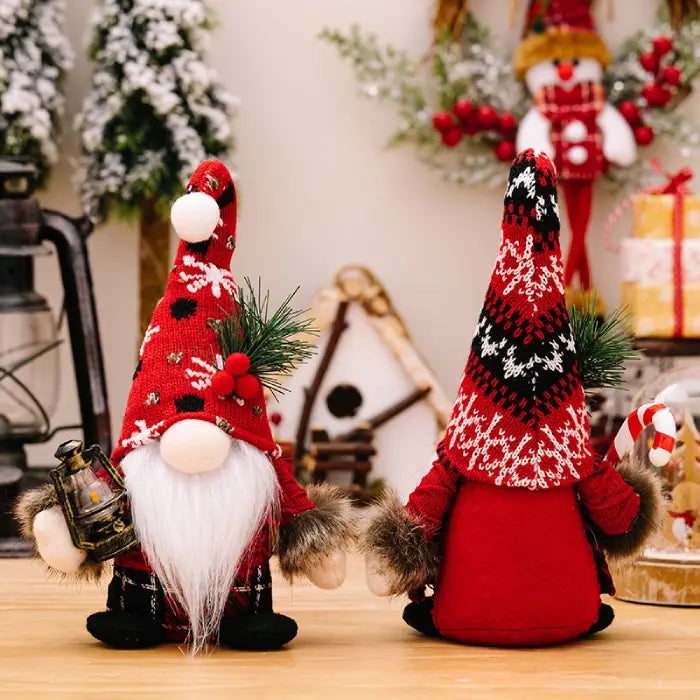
x=520 y=417
x=181 y=355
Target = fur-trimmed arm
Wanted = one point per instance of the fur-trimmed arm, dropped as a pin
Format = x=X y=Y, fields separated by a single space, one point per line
x=401 y=543
x=625 y=504
x=397 y=545
x=316 y=533
x=53 y=534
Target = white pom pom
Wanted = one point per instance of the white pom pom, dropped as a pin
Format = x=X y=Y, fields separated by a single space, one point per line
x=575 y=131
x=194 y=216
x=577 y=155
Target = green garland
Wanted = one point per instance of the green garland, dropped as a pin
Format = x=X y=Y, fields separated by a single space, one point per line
x=602 y=346
x=477 y=69
x=272 y=342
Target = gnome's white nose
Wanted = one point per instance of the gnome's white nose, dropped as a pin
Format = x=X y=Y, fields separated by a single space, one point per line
x=193 y=446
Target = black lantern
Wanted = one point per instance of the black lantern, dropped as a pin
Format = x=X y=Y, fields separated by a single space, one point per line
x=95 y=507
x=29 y=368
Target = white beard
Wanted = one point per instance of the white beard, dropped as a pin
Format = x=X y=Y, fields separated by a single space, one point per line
x=195 y=528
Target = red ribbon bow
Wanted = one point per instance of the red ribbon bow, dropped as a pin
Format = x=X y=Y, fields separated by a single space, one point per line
x=676 y=182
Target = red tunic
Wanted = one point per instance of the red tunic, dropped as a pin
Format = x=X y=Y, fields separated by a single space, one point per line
x=517 y=567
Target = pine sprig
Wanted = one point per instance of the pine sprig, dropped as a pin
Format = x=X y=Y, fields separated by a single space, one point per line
x=271 y=340
x=602 y=346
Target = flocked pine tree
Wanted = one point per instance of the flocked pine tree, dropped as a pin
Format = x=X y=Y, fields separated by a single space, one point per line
x=153 y=112
x=34 y=56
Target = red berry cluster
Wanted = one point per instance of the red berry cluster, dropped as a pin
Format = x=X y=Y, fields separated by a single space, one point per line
x=667 y=75
x=468 y=119
x=235 y=379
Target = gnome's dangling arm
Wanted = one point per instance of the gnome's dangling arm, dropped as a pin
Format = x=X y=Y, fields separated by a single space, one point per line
x=316 y=527
x=43 y=525
x=401 y=543
x=625 y=504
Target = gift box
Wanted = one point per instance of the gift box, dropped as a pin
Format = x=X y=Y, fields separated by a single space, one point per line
x=653 y=215
x=650 y=293
x=661 y=262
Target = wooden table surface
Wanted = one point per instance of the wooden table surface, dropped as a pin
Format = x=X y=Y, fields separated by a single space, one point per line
x=350 y=645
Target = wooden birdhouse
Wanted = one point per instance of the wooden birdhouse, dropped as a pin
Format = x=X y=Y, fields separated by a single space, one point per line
x=367 y=410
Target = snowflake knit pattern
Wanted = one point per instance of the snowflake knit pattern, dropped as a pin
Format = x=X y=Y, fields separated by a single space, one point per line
x=520 y=416
x=179 y=354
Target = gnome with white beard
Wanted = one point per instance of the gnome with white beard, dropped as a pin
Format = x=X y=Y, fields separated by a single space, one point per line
x=209 y=495
x=561 y=58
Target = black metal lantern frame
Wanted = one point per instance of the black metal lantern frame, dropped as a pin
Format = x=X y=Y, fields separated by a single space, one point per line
x=29 y=335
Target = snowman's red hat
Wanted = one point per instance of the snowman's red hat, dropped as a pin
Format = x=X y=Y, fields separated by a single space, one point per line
x=559 y=29
x=520 y=417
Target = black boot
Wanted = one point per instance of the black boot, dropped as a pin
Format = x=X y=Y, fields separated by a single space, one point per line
x=419 y=616
x=124 y=630
x=257 y=631
x=605 y=617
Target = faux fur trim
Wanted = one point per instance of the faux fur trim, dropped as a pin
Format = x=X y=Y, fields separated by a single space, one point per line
x=398 y=541
x=564 y=44
x=652 y=510
x=316 y=533
x=27 y=506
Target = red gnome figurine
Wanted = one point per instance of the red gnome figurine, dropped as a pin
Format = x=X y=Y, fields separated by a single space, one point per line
x=504 y=525
x=208 y=492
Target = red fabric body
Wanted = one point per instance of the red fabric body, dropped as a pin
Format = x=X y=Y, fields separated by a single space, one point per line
x=583 y=102
x=517 y=568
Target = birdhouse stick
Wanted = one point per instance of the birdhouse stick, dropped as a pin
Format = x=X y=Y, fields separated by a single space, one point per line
x=311 y=392
x=387 y=414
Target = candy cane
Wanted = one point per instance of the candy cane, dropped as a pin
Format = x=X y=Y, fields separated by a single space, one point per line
x=664 y=438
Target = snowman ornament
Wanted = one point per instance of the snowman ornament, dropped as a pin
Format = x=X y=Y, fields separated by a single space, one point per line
x=561 y=59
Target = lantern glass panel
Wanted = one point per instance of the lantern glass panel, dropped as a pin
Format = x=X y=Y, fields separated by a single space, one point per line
x=24 y=368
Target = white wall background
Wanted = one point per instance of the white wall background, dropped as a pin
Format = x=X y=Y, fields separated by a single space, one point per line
x=317 y=189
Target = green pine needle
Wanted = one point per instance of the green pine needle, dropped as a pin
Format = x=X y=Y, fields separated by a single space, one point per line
x=603 y=346
x=270 y=340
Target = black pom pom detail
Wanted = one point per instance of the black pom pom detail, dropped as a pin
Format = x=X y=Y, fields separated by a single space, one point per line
x=138 y=369
x=189 y=403
x=183 y=307
x=200 y=247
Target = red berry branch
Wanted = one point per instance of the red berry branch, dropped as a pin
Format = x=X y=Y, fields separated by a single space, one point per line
x=467 y=119
x=657 y=93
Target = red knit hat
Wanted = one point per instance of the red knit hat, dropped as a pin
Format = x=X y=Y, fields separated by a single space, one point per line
x=559 y=29
x=179 y=355
x=520 y=416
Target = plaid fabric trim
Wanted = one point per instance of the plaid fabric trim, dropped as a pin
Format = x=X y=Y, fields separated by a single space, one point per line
x=139 y=592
